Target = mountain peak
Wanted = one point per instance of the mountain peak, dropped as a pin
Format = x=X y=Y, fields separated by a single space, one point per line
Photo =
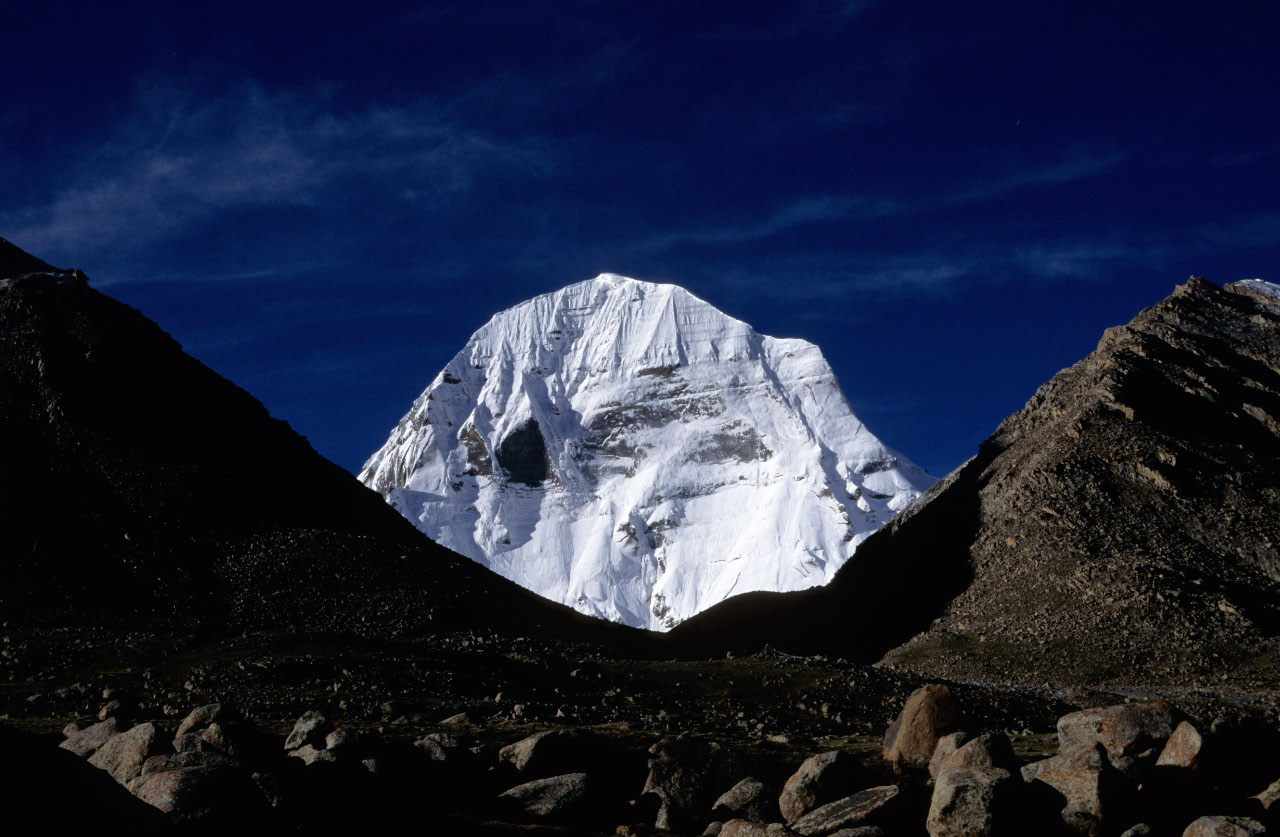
x=626 y=448
x=617 y=279
x=608 y=323
x=619 y=284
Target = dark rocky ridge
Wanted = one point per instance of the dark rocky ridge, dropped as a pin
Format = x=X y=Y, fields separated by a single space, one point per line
x=1121 y=529
x=143 y=493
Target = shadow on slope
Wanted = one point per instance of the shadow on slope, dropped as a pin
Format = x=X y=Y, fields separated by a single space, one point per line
x=896 y=584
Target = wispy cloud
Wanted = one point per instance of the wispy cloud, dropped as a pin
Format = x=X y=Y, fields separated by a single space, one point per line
x=1261 y=229
x=173 y=165
x=826 y=209
x=1071 y=165
x=843 y=278
x=802 y=212
x=549 y=90
x=1080 y=260
x=826 y=18
x=805 y=278
x=996 y=262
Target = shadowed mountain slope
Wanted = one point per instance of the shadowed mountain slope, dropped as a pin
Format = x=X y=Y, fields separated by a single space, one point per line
x=1122 y=528
x=142 y=491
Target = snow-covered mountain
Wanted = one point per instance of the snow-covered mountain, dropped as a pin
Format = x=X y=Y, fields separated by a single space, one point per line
x=627 y=449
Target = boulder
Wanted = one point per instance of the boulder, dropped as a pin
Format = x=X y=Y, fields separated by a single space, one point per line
x=181 y=761
x=1225 y=827
x=748 y=828
x=199 y=787
x=311 y=729
x=1183 y=748
x=215 y=735
x=1132 y=733
x=869 y=807
x=1139 y=830
x=1091 y=787
x=87 y=741
x=311 y=754
x=124 y=754
x=929 y=713
x=117 y=708
x=749 y=800
x=191 y=742
x=991 y=749
x=345 y=743
x=942 y=751
x=438 y=746
x=553 y=752
x=165 y=789
x=970 y=801
x=685 y=777
x=1269 y=797
x=820 y=779
x=202 y=716
x=555 y=797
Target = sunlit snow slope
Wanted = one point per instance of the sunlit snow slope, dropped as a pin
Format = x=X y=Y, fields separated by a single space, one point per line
x=627 y=449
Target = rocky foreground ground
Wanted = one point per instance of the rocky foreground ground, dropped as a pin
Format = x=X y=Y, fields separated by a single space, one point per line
x=471 y=733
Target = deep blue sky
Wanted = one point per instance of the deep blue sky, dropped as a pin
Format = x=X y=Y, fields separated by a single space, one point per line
x=952 y=200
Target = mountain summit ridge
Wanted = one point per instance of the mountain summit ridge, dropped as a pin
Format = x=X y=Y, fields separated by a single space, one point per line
x=626 y=448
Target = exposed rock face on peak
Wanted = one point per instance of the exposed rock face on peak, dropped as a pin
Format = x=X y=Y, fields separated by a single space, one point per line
x=627 y=449
x=1122 y=528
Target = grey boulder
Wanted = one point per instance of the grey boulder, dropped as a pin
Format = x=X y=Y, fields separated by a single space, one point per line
x=124 y=755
